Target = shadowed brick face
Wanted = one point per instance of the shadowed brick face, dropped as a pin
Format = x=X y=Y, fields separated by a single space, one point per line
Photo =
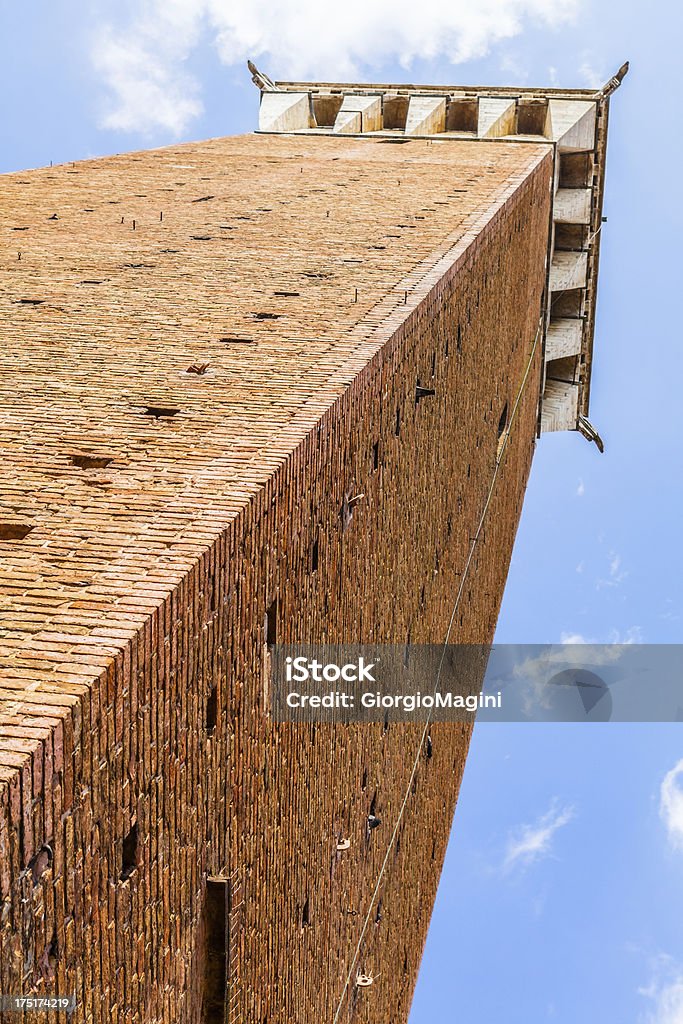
x=205 y=350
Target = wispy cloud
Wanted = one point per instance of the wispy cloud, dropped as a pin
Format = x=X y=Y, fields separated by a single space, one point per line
x=575 y=638
x=531 y=843
x=665 y=992
x=142 y=61
x=671 y=805
x=592 y=76
x=616 y=574
x=632 y=635
x=581 y=489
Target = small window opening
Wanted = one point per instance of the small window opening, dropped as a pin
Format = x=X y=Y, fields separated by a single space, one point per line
x=212 y=710
x=306 y=914
x=270 y=625
x=397 y=428
x=90 y=461
x=216 y=950
x=229 y=340
x=14 y=531
x=503 y=421
x=52 y=954
x=375 y=455
x=130 y=853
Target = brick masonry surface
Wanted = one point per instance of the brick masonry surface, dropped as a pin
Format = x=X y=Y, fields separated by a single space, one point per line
x=205 y=351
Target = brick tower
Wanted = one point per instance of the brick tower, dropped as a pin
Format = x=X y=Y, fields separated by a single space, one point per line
x=282 y=387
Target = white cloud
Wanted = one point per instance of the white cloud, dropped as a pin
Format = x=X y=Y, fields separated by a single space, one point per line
x=616 y=574
x=671 y=805
x=533 y=842
x=575 y=638
x=633 y=635
x=666 y=992
x=592 y=77
x=581 y=489
x=149 y=91
x=141 y=61
x=516 y=71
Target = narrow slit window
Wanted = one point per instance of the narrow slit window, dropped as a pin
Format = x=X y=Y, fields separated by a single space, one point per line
x=270 y=625
x=129 y=859
x=216 y=950
x=503 y=421
x=306 y=914
x=212 y=710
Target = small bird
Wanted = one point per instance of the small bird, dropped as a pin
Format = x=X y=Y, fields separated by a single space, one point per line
x=373 y=821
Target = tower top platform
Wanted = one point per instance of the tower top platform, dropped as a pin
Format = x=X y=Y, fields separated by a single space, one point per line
x=571 y=122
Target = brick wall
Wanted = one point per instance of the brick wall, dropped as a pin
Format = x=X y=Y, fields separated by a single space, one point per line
x=132 y=612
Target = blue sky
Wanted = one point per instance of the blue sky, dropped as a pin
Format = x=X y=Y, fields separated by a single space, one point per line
x=563 y=888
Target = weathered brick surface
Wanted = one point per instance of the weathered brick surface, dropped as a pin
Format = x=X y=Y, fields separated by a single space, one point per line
x=144 y=582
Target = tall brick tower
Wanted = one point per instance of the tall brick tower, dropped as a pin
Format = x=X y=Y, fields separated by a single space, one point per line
x=283 y=387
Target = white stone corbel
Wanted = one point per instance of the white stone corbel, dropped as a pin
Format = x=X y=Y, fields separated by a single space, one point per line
x=568 y=270
x=560 y=406
x=563 y=338
x=285 y=112
x=496 y=118
x=572 y=206
x=359 y=114
x=426 y=115
x=572 y=124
